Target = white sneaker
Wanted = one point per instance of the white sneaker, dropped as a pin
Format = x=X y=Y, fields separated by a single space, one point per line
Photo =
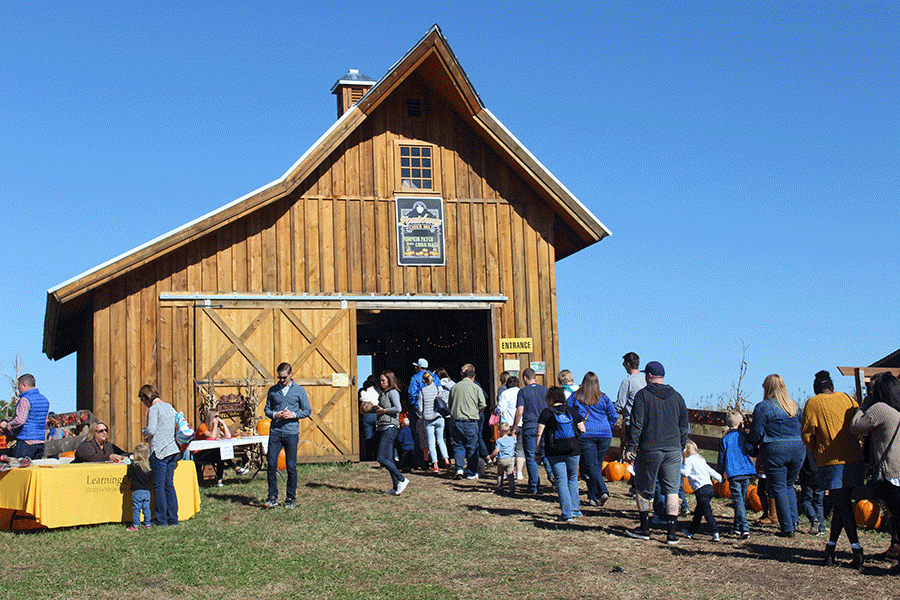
x=519 y=477
x=402 y=486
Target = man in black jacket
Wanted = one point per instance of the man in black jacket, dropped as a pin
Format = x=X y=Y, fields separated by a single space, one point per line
x=658 y=432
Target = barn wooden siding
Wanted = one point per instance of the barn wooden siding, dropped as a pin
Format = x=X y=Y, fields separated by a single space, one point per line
x=334 y=233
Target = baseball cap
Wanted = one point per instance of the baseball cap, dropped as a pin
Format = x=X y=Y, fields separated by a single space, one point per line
x=655 y=369
x=421 y=363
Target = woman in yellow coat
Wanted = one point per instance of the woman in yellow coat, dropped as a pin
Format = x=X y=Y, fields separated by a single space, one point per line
x=826 y=430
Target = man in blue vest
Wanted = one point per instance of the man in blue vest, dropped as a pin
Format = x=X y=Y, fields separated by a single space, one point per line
x=30 y=423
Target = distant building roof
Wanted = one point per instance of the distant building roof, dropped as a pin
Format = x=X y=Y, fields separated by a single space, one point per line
x=891 y=360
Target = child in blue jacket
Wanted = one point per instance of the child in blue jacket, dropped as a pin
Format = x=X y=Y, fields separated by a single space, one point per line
x=405 y=446
x=735 y=463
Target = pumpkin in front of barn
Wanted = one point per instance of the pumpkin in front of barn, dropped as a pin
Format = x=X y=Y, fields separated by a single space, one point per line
x=614 y=471
x=753 y=501
x=867 y=514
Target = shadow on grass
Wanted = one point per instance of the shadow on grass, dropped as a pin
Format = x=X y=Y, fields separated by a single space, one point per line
x=340 y=488
x=235 y=498
x=539 y=521
x=554 y=525
x=756 y=551
x=499 y=511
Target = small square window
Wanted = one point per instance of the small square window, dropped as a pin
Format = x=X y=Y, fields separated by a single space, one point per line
x=415 y=167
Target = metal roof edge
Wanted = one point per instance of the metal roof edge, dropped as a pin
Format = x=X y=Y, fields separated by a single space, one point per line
x=210 y=214
x=547 y=171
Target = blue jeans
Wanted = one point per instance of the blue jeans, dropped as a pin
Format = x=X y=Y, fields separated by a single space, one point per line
x=565 y=471
x=465 y=437
x=659 y=501
x=140 y=501
x=782 y=463
x=164 y=488
x=482 y=446
x=386 y=439
x=529 y=441
x=369 y=439
x=703 y=509
x=434 y=431
x=739 y=487
x=593 y=451
x=279 y=439
x=413 y=417
x=813 y=499
x=32 y=451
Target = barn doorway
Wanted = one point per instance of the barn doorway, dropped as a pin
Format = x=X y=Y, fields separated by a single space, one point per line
x=447 y=338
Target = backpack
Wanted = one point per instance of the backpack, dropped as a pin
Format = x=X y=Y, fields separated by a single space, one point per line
x=564 y=439
x=183 y=432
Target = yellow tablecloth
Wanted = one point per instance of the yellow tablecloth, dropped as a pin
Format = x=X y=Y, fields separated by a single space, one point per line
x=80 y=494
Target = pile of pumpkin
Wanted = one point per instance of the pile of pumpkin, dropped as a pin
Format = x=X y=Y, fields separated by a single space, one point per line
x=867 y=513
x=262 y=428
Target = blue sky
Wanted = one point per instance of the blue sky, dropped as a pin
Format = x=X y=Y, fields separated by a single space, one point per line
x=746 y=157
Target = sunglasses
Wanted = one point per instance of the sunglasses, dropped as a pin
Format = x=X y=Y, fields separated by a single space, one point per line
x=102 y=430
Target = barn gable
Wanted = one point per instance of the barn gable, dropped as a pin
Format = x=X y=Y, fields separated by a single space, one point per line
x=280 y=272
x=431 y=61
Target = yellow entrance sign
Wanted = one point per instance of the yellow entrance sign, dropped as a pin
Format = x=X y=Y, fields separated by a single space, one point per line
x=516 y=345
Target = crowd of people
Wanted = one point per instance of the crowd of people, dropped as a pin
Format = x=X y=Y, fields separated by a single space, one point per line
x=833 y=445
x=568 y=429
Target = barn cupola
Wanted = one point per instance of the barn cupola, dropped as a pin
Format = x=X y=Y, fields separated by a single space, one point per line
x=349 y=89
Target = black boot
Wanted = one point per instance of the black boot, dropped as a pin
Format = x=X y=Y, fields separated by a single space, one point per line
x=829 y=555
x=857 y=559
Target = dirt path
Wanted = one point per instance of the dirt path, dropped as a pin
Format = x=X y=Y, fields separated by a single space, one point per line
x=604 y=561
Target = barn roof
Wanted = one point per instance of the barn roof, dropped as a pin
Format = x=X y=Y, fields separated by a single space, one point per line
x=432 y=57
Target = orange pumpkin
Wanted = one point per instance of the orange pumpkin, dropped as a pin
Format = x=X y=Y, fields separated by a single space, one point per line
x=723 y=489
x=753 y=501
x=202 y=430
x=67 y=453
x=686 y=486
x=262 y=426
x=867 y=514
x=282 y=461
x=614 y=471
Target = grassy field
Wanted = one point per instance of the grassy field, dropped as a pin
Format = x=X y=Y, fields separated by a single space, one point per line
x=441 y=539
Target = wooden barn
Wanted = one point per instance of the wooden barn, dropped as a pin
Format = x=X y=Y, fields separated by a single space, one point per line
x=417 y=226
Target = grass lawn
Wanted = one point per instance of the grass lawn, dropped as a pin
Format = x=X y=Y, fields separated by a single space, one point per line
x=440 y=539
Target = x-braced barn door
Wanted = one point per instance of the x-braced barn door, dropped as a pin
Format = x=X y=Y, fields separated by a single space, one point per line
x=240 y=340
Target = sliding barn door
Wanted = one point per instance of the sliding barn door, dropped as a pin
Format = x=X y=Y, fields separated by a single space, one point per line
x=236 y=341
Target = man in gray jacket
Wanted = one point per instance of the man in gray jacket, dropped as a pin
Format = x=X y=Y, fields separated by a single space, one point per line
x=631 y=385
x=658 y=433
